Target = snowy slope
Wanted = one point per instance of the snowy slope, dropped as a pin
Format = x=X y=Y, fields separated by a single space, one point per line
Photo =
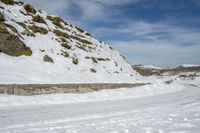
x=156 y=108
x=84 y=60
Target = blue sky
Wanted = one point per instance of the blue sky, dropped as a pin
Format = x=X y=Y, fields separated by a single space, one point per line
x=158 y=32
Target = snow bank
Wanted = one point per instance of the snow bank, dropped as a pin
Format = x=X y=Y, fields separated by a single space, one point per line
x=123 y=93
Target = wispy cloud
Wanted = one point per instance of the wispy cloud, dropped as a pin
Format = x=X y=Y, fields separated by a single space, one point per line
x=159 y=43
x=158 y=53
x=157 y=31
x=51 y=6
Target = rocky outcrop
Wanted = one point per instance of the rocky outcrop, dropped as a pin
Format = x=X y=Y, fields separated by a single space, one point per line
x=11 y=44
x=46 y=58
x=60 y=88
x=8 y=2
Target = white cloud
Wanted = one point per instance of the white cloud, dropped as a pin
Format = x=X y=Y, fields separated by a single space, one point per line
x=51 y=6
x=158 y=53
x=115 y=2
x=90 y=9
x=153 y=31
x=159 y=43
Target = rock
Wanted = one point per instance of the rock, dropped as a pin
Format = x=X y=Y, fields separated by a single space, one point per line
x=75 y=61
x=1 y=17
x=29 y=9
x=38 y=19
x=65 y=45
x=56 y=20
x=11 y=44
x=8 y=2
x=46 y=58
x=36 y=29
x=93 y=71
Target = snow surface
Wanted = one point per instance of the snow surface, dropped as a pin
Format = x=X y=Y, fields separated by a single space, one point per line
x=156 y=108
x=33 y=70
x=150 y=67
x=190 y=65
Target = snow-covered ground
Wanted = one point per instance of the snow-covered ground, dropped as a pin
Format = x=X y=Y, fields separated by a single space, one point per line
x=155 y=108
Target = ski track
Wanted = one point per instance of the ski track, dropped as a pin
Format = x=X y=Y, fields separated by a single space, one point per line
x=177 y=112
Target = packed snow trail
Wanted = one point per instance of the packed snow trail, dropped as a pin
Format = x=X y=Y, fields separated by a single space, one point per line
x=177 y=110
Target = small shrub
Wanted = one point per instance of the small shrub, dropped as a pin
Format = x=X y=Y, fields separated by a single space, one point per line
x=169 y=82
x=93 y=70
x=87 y=57
x=8 y=2
x=79 y=29
x=19 y=2
x=81 y=47
x=88 y=34
x=116 y=72
x=103 y=59
x=56 y=21
x=81 y=40
x=38 y=19
x=62 y=39
x=110 y=47
x=42 y=50
x=65 y=54
x=27 y=51
x=29 y=9
x=75 y=60
x=21 y=24
x=94 y=60
x=28 y=33
x=61 y=34
x=37 y=29
x=11 y=27
x=65 y=45
x=65 y=35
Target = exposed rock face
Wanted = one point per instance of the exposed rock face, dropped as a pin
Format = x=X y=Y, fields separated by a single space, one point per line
x=29 y=9
x=46 y=58
x=60 y=88
x=11 y=44
x=8 y=2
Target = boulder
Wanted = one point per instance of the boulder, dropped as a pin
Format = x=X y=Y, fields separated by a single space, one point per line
x=11 y=44
x=46 y=58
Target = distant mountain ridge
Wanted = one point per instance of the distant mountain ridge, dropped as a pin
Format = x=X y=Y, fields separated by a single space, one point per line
x=39 y=48
x=150 y=70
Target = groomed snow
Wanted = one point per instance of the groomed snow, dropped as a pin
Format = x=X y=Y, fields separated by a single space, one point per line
x=156 y=108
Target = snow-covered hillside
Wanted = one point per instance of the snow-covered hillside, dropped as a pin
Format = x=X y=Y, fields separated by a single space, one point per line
x=155 y=108
x=46 y=49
